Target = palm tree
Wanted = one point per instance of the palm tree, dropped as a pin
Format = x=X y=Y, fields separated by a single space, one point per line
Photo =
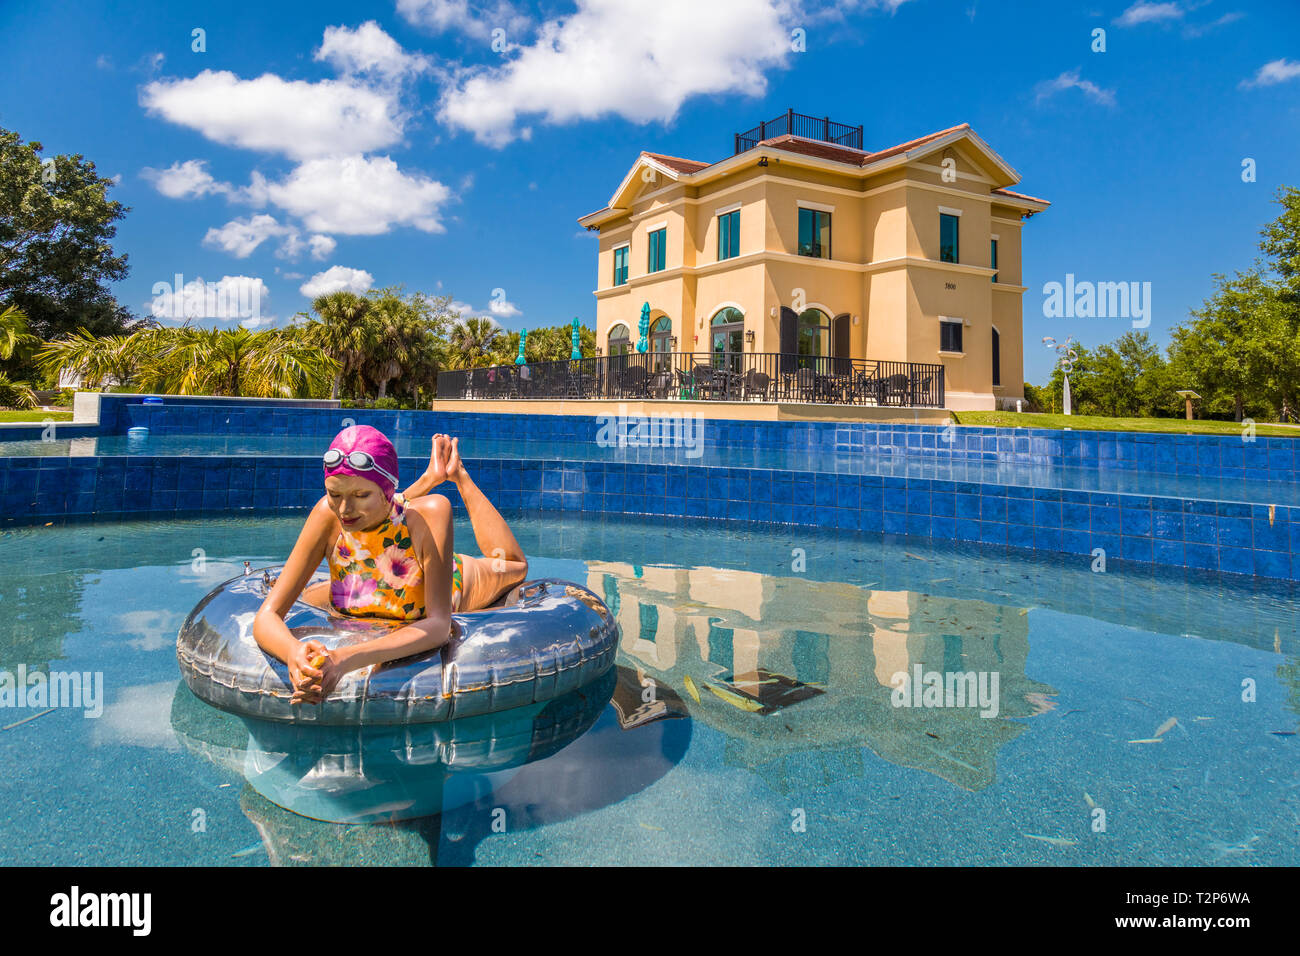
x=272 y=363
x=343 y=331
x=97 y=359
x=472 y=342
x=16 y=394
x=13 y=332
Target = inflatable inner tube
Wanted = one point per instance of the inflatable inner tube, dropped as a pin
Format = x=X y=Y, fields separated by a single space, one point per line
x=541 y=640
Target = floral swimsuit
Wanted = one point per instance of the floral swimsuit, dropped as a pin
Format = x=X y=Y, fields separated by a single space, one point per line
x=376 y=573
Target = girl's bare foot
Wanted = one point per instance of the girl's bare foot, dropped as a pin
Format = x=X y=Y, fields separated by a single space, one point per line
x=437 y=470
x=455 y=470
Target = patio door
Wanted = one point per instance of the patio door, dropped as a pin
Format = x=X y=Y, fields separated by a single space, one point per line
x=728 y=334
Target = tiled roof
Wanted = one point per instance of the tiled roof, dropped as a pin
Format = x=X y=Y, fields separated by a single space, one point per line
x=910 y=144
x=1015 y=195
x=823 y=150
x=676 y=162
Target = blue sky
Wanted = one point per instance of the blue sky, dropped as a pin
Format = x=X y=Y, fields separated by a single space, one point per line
x=450 y=146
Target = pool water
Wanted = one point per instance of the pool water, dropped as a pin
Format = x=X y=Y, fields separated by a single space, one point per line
x=752 y=718
x=844 y=461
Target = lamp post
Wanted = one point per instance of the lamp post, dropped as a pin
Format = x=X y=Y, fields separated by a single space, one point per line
x=1065 y=357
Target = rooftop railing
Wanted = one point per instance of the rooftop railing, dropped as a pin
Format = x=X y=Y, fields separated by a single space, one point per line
x=708 y=376
x=799 y=124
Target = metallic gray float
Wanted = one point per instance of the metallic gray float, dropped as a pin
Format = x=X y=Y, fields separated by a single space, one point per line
x=542 y=640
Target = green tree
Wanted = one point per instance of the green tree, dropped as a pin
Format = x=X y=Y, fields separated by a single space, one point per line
x=266 y=364
x=344 y=331
x=100 y=360
x=1220 y=354
x=56 y=225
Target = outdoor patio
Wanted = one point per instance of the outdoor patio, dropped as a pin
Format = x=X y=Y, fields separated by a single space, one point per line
x=773 y=377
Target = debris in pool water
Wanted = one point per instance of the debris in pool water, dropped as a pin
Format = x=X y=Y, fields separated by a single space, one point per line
x=916 y=556
x=651 y=826
x=247 y=851
x=773 y=691
x=630 y=704
x=1282 y=733
x=222 y=786
x=691 y=688
x=1087 y=798
x=1136 y=701
x=1024 y=611
x=735 y=700
x=1167 y=726
x=1202 y=718
x=1147 y=740
x=935 y=736
x=1054 y=841
x=19 y=723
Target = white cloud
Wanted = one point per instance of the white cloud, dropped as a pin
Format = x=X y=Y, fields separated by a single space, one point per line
x=356 y=195
x=1272 y=73
x=1144 y=12
x=500 y=306
x=1194 y=30
x=186 y=180
x=1070 y=80
x=370 y=51
x=335 y=279
x=233 y=297
x=611 y=58
x=240 y=237
x=291 y=117
x=293 y=246
x=476 y=20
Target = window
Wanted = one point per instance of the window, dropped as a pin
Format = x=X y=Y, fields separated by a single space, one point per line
x=620 y=342
x=620 y=265
x=658 y=247
x=814 y=233
x=993 y=258
x=950 y=336
x=814 y=335
x=729 y=235
x=997 y=358
x=948 y=237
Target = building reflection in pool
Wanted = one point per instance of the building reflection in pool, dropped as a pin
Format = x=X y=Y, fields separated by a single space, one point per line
x=790 y=668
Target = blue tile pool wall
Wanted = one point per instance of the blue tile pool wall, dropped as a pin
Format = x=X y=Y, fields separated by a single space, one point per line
x=1191 y=456
x=1214 y=536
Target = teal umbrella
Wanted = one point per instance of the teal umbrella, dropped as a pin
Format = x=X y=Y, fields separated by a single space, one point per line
x=523 y=337
x=576 y=353
x=642 y=345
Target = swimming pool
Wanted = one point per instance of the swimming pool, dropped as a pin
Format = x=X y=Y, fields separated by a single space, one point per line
x=844 y=461
x=810 y=622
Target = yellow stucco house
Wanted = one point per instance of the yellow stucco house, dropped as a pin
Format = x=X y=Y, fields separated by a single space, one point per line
x=800 y=243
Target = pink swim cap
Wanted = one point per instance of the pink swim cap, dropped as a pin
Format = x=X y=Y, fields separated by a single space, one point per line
x=375 y=444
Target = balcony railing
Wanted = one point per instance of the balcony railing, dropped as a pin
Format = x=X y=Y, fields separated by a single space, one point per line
x=799 y=124
x=710 y=376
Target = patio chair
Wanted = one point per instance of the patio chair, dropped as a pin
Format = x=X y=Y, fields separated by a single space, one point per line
x=635 y=382
x=897 y=390
x=805 y=385
x=755 y=383
x=661 y=384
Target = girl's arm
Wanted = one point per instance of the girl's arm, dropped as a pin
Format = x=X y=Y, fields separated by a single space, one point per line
x=431 y=532
x=269 y=629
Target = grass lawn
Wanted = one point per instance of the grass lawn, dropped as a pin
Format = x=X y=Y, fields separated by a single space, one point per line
x=1102 y=423
x=34 y=415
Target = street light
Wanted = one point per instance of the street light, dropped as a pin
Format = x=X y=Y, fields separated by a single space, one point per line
x=1065 y=357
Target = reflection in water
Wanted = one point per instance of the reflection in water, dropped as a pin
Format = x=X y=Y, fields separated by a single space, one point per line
x=383 y=774
x=538 y=764
x=798 y=702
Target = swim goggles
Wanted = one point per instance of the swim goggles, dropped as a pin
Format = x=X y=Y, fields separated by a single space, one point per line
x=359 y=460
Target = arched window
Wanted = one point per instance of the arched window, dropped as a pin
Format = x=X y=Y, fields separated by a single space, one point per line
x=620 y=340
x=661 y=330
x=814 y=334
x=727 y=338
